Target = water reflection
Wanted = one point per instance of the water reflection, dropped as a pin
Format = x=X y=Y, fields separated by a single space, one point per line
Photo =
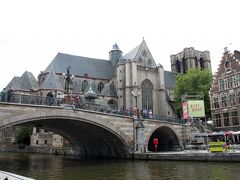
x=41 y=166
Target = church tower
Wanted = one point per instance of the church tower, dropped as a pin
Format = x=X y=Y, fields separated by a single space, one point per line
x=115 y=54
x=190 y=58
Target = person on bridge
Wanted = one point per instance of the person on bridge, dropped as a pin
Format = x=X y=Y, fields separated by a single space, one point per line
x=3 y=94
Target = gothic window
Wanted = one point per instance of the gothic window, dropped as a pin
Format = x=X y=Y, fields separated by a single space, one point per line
x=144 y=53
x=201 y=63
x=147 y=95
x=184 y=65
x=196 y=62
x=178 y=66
x=100 y=87
x=226 y=119
x=84 y=85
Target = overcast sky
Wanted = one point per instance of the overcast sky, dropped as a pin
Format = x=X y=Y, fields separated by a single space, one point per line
x=32 y=32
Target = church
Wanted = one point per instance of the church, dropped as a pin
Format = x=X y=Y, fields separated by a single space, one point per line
x=122 y=81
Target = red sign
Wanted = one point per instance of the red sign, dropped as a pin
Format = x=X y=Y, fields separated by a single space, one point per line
x=185 y=110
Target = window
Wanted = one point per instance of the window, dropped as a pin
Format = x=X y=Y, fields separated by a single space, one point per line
x=178 y=66
x=218 y=120
x=36 y=141
x=232 y=99
x=196 y=62
x=216 y=104
x=184 y=65
x=201 y=63
x=147 y=93
x=224 y=101
x=229 y=82
x=221 y=84
x=100 y=87
x=84 y=85
x=45 y=142
x=226 y=119
x=235 y=118
x=112 y=103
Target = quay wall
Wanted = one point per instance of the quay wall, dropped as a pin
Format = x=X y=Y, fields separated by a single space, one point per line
x=225 y=157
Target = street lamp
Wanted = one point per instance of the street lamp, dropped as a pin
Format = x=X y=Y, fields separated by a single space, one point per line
x=68 y=86
x=69 y=79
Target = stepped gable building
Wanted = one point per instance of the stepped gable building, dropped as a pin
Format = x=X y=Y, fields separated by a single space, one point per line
x=190 y=58
x=225 y=93
x=122 y=81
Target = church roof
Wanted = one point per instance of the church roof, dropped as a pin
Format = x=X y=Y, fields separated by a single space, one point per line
x=132 y=54
x=14 y=83
x=28 y=81
x=52 y=82
x=97 y=68
x=170 y=79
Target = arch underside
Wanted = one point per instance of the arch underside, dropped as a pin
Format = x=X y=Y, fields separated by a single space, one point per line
x=167 y=140
x=88 y=140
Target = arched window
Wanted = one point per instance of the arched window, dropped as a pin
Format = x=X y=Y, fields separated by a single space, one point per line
x=201 y=63
x=100 y=87
x=84 y=85
x=178 y=66
x=147 y=95
x=196 y=62
x=112 y=103
x=184 y=65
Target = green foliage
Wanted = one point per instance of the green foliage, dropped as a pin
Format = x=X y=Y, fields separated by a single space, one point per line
x=23 y=135
x=194 y=81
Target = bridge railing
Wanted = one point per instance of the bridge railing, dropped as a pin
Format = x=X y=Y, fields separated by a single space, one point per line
x=31 y=99
x=53 y=101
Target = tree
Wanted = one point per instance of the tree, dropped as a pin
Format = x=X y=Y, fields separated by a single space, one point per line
x=194 y=81
x=23 y=135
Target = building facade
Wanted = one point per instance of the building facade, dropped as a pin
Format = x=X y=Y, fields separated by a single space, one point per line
x=225 y=93
x=190 y=58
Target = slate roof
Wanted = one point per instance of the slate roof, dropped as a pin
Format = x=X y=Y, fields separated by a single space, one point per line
x=130 y=55
x=28 y=81
x=170 y=79
x=13 y=84
x=52 y=82
x=97 y=68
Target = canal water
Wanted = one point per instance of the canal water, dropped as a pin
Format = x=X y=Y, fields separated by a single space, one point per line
x=47 y=167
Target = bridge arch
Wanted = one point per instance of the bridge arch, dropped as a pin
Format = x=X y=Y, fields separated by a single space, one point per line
x=167 y=139
x=89 y=137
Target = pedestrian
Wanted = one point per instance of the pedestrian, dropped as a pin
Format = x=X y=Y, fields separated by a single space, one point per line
x=150 y=114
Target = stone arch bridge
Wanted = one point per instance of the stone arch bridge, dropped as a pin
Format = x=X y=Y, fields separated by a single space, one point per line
x=96 y=134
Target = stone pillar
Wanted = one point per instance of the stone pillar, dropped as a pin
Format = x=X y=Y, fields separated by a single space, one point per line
x=139 y=131
x=128 y=95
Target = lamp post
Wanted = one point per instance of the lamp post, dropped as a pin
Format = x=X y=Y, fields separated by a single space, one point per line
x=68 y=86
x=139 y=132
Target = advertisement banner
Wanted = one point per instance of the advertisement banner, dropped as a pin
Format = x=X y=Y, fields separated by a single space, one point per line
x=185 y=110
x=196 y=108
